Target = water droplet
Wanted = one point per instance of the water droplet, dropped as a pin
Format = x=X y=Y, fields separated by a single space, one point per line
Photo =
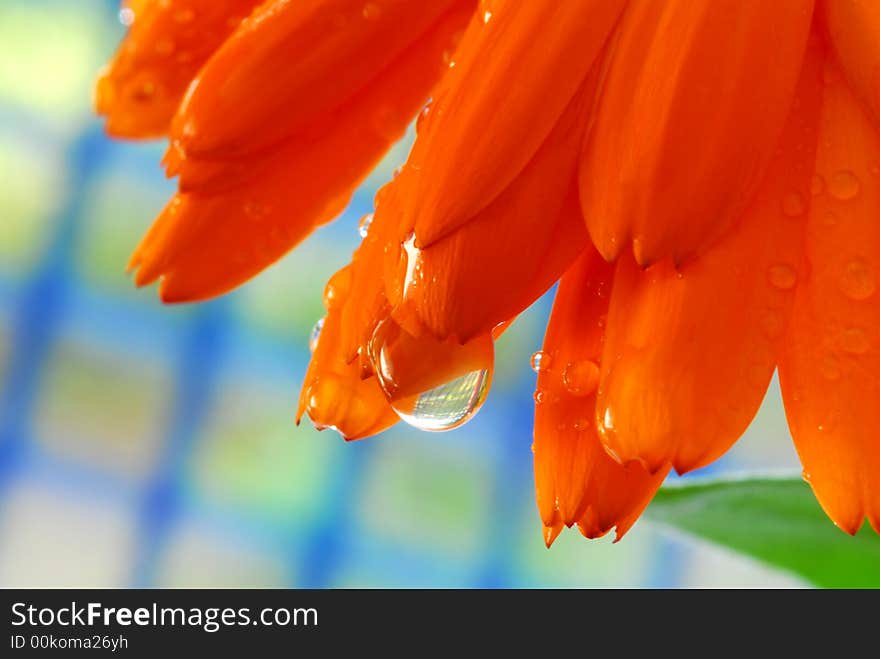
x=164 y=46
x=421 y=120
x=487 y=16
x=337 y=288
x=539 y=396
x=817 y=185
x=540 y=361
x=144 y=92
x=447 y=406
x=371 y=11
x=794 y=205
x=582 y=424
x=772 y=323
x=185 y=15
x=364 y=225
x=581 y=378
x=315 y=335
x=855 y=342
x=254 y=209
x=830 y=368
x=431 y=385
x=782 y=276
x=126 y=16
x=844 y=185
x=413 y=272
x=858 y=281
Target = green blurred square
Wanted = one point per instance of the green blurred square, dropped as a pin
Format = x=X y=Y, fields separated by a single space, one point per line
x=428 y=495
x=119 y=208
x=252 y=457
x=30 y=181
x=104 y=410
x=50 y=55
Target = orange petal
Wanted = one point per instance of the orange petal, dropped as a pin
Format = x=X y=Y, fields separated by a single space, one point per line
x=206 y=243
x=516 y=69
x=693 y=104
x=689 y=352
x=575 y=479
x=830 y=370
x=292 y=62
x=167 y=44
x=500 y=261
x=367 y=304
x=854 y=30
x=333 y=393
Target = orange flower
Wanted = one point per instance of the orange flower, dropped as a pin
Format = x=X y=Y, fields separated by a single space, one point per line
x=703 y=178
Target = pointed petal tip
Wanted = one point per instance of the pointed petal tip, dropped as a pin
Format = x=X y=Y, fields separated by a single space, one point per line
x=551 y=533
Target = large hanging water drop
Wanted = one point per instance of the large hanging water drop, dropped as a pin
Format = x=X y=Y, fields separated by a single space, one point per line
x=431 y=385
x=447 y=406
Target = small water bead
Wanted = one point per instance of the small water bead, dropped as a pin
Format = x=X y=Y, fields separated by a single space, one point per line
x=126 y=16
x=539 y=396
x=315 y=335
x=793 y=204
x=829 y=368
x=782 y=276
x=582 y=424
x=185 y=15
x=371 y=11
x=855 y=341
x=164 y=46
x=364 y=225
x=540 y=361
x=772 y=323
x=858 y=280
x=144 y=92
x=817 y=185
x=336 y=289
x=422 y=119
x=581 y=377
x=487 y=16
x=844 y=185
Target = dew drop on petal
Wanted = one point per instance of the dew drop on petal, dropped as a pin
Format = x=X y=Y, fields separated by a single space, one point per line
x=364 y=225
x=581 y=377
x=539 y=396
x=830 y=368
x=793 y=204
x=844 y=185
x=447 y=406
x=126 y=16
x=315 y=336
x=782 y=276
x=855 y=341
x=185 y=15
x=540 y=361
x=371 y=11
x=858 y=280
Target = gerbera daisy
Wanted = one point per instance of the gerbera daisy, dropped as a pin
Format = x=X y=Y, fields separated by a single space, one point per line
x=703 y=178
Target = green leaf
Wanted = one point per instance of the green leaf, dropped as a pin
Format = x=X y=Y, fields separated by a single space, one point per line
x=777 y=521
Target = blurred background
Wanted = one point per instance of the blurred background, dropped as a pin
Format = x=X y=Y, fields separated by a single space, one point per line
x=143 y=445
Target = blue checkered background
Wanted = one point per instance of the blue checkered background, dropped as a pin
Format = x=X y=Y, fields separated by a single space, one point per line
x=143 y=445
